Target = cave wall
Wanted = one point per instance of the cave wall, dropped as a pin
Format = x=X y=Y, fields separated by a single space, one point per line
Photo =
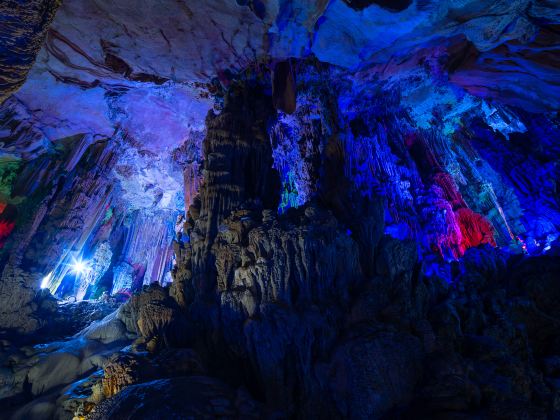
x=63 y=202
x=24 y=27
x=448 y=164
x=296 y=296
x=148 y=89
x=317 y=312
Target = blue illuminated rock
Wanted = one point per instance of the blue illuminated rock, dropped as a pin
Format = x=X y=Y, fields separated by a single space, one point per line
x=122 y=277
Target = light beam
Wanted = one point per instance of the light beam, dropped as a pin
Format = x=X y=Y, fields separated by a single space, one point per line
x=79 y=267
x=46 y=280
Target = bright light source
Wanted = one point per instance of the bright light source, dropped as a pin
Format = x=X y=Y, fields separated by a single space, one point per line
x=46 y=280
x=79 y=267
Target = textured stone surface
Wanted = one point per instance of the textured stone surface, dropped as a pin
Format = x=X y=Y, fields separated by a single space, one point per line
x=195 y=396
x=41 y=370
x=57 y=204
x=150 y=314
x=371 y=374
x=125 y=369
x=143 y=80
x=24 y=27
x=17 y=297
x=296 y=308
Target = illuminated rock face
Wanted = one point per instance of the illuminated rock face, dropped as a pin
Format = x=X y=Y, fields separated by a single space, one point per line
x=429 y=149
x=365 y=325
x=94 y=270
x=122 y=277
x=143 y=81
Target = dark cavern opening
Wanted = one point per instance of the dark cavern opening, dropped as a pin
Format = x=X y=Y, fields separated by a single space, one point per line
x=279 y=209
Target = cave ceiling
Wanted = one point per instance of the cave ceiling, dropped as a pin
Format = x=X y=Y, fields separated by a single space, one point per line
x=143 y=74
x=132 y=65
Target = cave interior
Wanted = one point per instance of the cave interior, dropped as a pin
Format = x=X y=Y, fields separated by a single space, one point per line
x=285 y=209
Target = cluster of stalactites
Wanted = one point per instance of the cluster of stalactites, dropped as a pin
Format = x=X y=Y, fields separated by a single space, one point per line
x=439 y=188
x=120 y=254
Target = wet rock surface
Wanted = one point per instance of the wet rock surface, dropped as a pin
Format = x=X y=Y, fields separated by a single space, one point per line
x=38 y=368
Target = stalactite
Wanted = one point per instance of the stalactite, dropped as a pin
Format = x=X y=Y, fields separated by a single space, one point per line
x=191 y=179
x=297 y=142
x=149 y=243
x=96 y=269
x=123 y=277
x=100 y=197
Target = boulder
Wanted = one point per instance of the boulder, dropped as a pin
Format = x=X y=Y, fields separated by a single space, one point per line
x=182 y=397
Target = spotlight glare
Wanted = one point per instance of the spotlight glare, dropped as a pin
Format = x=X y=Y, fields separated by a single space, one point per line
x=46 y=280
x=79 y=267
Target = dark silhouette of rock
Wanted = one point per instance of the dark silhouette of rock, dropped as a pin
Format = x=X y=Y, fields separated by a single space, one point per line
x=284 y=87
x=23 y=31
x=195 y=396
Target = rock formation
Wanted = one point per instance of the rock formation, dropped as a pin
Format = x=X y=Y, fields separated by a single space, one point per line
x=24 y=27
x=294 y=309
